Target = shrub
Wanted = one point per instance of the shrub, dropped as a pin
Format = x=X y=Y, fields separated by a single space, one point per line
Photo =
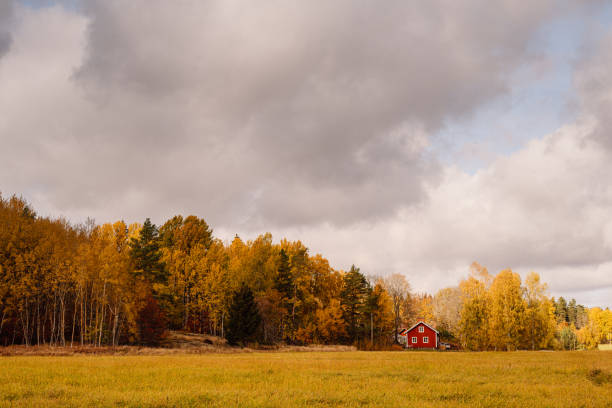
x=152 y=323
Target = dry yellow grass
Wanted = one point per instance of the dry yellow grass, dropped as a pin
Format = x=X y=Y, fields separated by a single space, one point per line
x=352 y=379
x=52 y=351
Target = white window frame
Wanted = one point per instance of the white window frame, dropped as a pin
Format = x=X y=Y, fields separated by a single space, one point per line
x=414 y=340
x=421 y=329
x=426 y=339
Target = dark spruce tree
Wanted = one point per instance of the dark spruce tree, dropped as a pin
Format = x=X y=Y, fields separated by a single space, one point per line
x=284 y=284
x=243 y=317
x=353 y=298
x=146 y=254
x=284 y=279
x=561 y=310
x=372 y=305
x=572 y=312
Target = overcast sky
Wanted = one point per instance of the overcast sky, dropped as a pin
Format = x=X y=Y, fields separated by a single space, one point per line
x=408 y=137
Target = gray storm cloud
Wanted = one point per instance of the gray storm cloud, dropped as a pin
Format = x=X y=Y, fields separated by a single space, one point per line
x=6 y=13
x=292 y=112
x=594 y=90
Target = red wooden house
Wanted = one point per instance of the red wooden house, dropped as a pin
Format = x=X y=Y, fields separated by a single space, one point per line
x=421 y=336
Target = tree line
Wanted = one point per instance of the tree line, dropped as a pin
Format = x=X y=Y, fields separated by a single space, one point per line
x=110 y=284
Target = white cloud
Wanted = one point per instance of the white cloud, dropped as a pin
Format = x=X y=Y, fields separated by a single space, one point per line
x=545 y=208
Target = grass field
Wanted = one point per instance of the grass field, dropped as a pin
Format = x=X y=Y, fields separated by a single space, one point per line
x=352 y=379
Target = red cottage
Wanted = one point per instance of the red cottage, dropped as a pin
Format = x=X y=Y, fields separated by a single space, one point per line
x=421 y=336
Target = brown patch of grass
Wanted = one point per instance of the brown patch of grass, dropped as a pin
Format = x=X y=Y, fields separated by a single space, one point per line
x=599 y=377
x=180 y=339
x=175 y=343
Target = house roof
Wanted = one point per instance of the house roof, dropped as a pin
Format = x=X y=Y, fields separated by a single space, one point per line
x=407 y=330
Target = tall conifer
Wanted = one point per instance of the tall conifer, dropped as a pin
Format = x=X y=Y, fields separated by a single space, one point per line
x=244 y=318
x=354 y=296
x=146 y=254
x=284 y=279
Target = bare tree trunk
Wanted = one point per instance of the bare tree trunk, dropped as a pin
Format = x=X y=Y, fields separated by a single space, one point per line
x=25 y=325
x=371 y=329
x=293 y=302
x=102 y=317
x=44 y=338
x=119 y=328
x=63 y=318
x=82 y=317
x=186 y=308
x=115 y=326
x=53 y=320
x=92 y=337
x=2 y=320
x=74 y=314
x=116 y=322
x=37 y=320
x=396 y=313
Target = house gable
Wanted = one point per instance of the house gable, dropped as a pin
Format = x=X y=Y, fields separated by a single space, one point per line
x=423 y=323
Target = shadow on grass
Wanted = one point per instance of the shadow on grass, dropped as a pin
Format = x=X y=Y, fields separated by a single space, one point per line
x=599 y=377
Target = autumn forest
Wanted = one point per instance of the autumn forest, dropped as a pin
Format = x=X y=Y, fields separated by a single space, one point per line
x=64 y=284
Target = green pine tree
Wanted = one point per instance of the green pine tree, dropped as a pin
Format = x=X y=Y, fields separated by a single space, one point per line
x=561 y=310
x=572 y=312
x=146 y=254
x=353 y=299
x=285 y=285
x=284 y=279
x=244 y=318
x=372 y=306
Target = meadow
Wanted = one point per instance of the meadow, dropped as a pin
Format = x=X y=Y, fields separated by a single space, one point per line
x=311 y=379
